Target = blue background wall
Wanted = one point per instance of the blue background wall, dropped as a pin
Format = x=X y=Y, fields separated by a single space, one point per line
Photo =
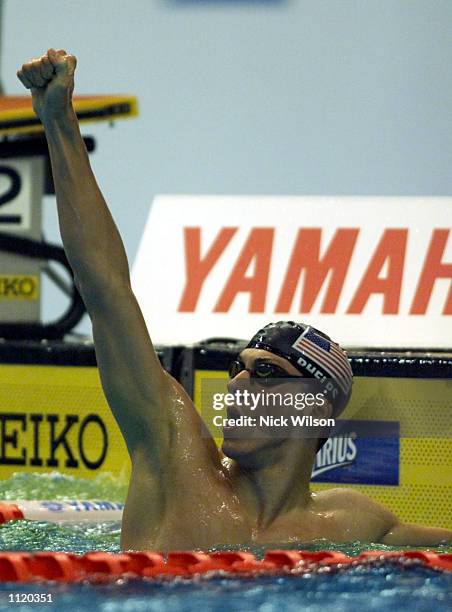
x=252 y=97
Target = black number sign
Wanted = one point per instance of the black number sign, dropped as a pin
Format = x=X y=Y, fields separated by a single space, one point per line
x=12 y=191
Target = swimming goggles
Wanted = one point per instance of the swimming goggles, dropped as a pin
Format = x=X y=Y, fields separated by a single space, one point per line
x=264 y=372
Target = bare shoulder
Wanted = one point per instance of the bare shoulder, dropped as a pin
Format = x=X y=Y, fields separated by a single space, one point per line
x=360 y=516
x=343 y=498
x=189 y=434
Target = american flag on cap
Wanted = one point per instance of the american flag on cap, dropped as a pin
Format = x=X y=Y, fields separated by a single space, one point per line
x=326 y=354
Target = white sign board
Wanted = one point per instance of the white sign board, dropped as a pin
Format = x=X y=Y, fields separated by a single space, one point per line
x=368 y=271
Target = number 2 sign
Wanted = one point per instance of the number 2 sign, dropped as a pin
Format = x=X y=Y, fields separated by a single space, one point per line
x=16 y=194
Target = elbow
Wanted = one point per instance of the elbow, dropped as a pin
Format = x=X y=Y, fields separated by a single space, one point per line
x=98 y=289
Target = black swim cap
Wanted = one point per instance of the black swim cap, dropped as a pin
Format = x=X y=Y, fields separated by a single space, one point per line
x=313 y=353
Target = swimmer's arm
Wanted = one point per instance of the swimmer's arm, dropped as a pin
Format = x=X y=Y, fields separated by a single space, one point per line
x=389 y=530
x=406 y=534
x=91 y=240
x=132 y=378
x=131 y=375
x=376 y=523
x=396 y=533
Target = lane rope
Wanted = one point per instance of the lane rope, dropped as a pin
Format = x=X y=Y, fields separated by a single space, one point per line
x=61 y=511
x=104 y=567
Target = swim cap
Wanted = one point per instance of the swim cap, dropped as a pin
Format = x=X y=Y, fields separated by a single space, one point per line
x=313 y=353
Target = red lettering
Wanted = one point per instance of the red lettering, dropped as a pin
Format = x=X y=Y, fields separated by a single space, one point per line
x=306 y=256
x=391 y=248
x=196 y=268
x=258 y=248
x=433 y=269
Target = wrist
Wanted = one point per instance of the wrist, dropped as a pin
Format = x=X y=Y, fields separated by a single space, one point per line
x=64 y=119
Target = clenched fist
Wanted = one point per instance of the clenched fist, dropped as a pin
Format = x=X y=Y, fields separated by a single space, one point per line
x=51 y=81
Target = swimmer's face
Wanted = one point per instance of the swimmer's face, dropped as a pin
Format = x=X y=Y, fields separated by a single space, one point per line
x=257 y=371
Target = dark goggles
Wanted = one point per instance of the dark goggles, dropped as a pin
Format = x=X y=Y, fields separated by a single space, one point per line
x=264 y=372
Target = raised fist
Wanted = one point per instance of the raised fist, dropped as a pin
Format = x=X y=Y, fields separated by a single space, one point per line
x=51 y=81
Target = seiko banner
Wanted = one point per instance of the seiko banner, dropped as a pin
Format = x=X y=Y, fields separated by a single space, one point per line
x=370 y=271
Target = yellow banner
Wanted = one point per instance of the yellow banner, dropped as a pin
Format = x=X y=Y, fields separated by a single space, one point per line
x=57 y=419
x=19 y=287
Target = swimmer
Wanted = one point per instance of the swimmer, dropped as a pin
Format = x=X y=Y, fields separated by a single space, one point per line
x=183 y=492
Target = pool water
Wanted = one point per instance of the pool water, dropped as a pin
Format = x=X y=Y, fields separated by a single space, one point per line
x=384 y=586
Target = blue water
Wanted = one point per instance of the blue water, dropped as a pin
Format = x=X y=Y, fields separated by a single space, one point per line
x=379 y=588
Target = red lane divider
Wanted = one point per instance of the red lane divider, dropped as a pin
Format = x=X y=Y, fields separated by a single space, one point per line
x=102 y=566
x=10 y=512
x=441 y=561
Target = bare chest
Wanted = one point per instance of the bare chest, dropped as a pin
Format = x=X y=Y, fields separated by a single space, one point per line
x=206 y=525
